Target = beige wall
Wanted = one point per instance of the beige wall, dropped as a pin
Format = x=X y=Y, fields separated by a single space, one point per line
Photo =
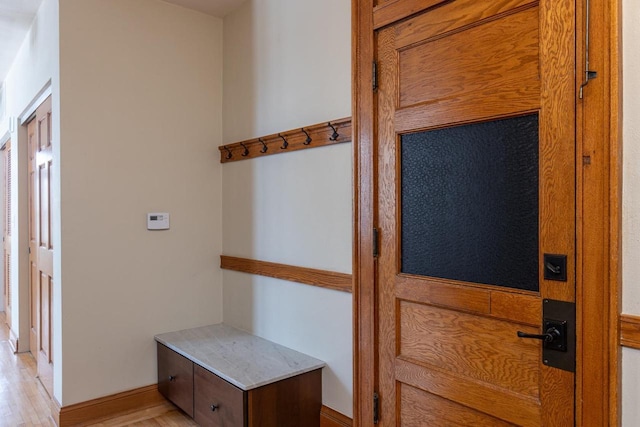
x=631 y=205
x=287 y=65
x=141 y=98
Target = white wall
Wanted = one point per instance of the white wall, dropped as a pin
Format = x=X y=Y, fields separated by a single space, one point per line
x=36 y=67
x=141 y=102
x=631 y=204
x=287 y=65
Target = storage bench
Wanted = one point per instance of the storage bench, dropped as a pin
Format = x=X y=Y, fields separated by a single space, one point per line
x=222 y=376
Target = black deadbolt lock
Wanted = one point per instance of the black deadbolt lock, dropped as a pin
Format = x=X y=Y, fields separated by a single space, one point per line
x=555 y=267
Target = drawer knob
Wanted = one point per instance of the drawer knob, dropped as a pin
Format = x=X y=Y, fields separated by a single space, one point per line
x=214 y=407
x=172 y=378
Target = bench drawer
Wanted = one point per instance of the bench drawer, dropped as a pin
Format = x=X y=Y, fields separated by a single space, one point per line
x=217 y=402
x=175 y=378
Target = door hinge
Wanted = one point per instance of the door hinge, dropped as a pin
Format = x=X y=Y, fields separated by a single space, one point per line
x=376 y=407
x=374 y=75
x=375 y=243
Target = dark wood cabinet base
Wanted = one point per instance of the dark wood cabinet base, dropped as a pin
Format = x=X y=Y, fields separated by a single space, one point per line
x=212 y=401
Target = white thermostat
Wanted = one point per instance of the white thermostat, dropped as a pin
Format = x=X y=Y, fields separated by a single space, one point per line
x=158 y=221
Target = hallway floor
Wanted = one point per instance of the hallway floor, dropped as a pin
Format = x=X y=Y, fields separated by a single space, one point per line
x=25 y=402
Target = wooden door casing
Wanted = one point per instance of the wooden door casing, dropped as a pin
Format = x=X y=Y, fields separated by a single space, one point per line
x=6 y=236
x=466 y=62
x=33 y=246
x=40 y=242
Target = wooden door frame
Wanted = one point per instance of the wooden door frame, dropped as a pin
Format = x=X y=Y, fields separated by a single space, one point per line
x=598 y=221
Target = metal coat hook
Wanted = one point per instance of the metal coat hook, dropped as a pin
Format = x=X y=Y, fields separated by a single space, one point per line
x=229 y=155
x=264 y=146
x=335 y=134
x=245 y=153
x=285 y=144
x=308 y=140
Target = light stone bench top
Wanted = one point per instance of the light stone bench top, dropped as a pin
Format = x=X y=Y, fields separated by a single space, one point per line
x=238 y=357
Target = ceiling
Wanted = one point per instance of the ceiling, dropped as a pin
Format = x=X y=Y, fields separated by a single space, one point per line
x=16 y=17
x=217 y=8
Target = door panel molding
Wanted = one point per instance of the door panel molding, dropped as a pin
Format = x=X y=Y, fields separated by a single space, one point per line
x=496 y=402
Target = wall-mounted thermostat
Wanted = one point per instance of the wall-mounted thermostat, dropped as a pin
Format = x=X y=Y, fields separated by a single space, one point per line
x=158 y=221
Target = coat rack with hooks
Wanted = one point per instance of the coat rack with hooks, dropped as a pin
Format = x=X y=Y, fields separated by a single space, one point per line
x=318 y=135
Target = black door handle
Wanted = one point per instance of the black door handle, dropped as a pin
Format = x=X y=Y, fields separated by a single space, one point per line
x=555 y=269
x=550 y=336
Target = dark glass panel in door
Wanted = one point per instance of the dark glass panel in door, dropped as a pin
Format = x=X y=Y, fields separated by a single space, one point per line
x=469 y=199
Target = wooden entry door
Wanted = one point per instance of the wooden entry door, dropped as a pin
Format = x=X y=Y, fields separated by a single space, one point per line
x=40 y=243
x=475 y=182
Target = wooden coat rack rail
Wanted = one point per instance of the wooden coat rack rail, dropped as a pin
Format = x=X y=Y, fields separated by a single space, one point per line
x=318 y=135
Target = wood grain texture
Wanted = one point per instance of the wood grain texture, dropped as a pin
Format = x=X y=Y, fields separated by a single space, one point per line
x=630 y=331
x=599 y=184
x=473 y=298
x=364 y=295
x=519 y=308
x=164 y=414
x=309 y=276
x=485 y=70
x=321 y=134
x=599 y=126
x=395 y=10
x=23 y=399
x=495 y=56
x=419 y=408
x=506 y=406
x=212 y=392
x=496 y=105
x=557 y=143
x=454 y=16
x=175 y=378
x=612 y=30
x=92 y=411
x=332 y=418
x=292 y=402
x=386 y=216
x=439 y=292
x=488 y=351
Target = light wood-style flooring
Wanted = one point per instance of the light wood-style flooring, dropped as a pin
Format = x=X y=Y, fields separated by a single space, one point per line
x=24 y=401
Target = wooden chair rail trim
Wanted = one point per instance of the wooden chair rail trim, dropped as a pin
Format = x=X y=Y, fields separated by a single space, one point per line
x=630 y=331
x=319 y=135
x=308 y=276
x=96 y=409
x=332 y=418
